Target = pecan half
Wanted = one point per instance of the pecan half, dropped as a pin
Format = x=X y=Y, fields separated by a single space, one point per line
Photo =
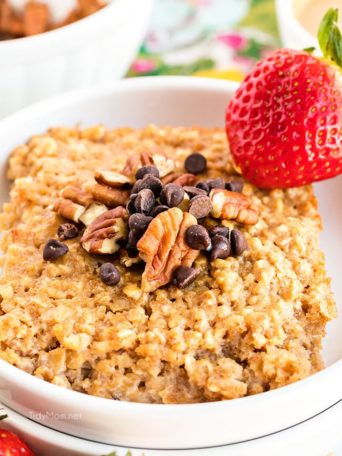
x=92 y=212
x=164 y=164
x=68 y=209
x=163 y=248
x=76 y=195
x=112 y=179
x=146 y=158
x=181 y=179
x=111 y=197
x=102 y=235
x=132 y=164
x=232 y=206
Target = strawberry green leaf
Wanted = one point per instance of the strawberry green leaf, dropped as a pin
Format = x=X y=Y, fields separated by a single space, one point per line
x=336 y=46
x=330 y=18
x=330 y=37
x=309 y=50
x=3 y=417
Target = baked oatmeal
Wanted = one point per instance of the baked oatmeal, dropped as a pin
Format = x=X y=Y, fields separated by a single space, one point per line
x=20 y=18
x=178 y=314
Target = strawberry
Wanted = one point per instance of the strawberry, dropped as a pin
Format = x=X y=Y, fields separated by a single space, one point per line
x=11 y=445
x=284 y=123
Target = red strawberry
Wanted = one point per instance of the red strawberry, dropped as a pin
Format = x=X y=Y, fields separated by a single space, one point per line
x=11 y=445
x=284 y=124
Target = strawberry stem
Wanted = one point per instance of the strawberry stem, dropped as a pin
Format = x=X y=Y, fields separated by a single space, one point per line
x=330 y=37
x=3 y=417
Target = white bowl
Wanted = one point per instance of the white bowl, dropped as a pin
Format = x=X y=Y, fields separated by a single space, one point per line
x=292 y=33
x=316 y=437
x=172 y=101
x=94 y=50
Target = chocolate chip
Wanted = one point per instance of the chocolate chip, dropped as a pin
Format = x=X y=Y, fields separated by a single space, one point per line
x=54 y=249
x=109 y=274
x=184 y=276
x=194 y=191
x=147 y=170
x=203 y=186
x=67 y=231
x=139 y=222
x=238 y=242
x=195 y=163
x=145 y=201
x=150 y=182
x=234 y=186
x=197 y=237
x=200 y=206
x=220 y=248
x=137 y=187
x=133 y=238
x=130 y=207
x=158 y=210
x=172 y=195
x=219 y=229
x=216 y=183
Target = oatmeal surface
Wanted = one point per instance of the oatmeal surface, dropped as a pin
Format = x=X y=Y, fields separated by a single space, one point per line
x=248 y=324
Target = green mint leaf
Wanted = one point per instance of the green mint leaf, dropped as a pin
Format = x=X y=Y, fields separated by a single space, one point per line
x=330 y=37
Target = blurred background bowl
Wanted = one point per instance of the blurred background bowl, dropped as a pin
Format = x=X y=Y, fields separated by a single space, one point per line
x=292 y=32
x=94 y=50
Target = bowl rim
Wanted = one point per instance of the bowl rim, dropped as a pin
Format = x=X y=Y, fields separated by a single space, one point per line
x=81 y=30
x=16 y=375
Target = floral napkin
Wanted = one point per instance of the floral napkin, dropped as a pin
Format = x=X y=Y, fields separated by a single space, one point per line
x=213 y=38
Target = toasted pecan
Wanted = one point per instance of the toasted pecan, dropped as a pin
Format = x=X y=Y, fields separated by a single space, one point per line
x=229 y=205
x=68 y=209
x=164 y=164
x=111 y=197
x=181 y=179
x=92 y=212
x=76 y=195
x=112 y=178
x=146 y=158
x=133 y=162
x=163 y=248
x=102 y=234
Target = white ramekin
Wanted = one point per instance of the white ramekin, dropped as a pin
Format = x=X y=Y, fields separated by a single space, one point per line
x=170 y=101
x=292 y=33
x=94 y=50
